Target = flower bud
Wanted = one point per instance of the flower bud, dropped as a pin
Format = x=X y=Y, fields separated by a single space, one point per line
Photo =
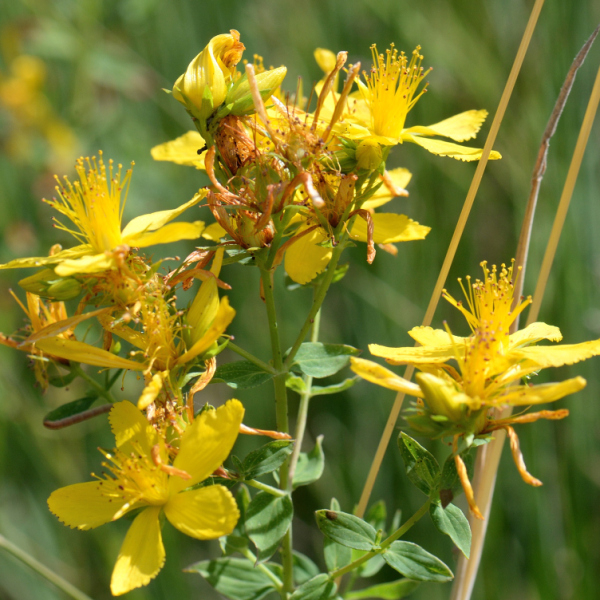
x=203 y=86
x=442 y=397
x=326 y=59
x=47 y=284
x=369 y=155
x=241 y=97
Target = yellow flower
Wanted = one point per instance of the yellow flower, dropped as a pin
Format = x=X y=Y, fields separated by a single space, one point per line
x=95 y=204
x=204 y=85
x=309 y=255
x=142 y=478
x=491 y=363
x=378 y=112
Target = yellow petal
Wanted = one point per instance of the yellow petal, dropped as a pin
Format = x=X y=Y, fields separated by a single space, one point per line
x=59 y=327
x=534 y=333
x=214 y=232
x=205 y=514
x=557 y=356
x=150 y=392
x=400 y=178
x=384 y=377
x=156 y=220
x=460 y=128
x=40 y=261
x=85 y=353
x=131 y=429
x=215 y=331
x=182 y=150
x=173 y=232
x=305 y=259
x=142 y=554
x=427 y=336
x=203 y=309
x=206 y=443
x=94 y=263
x=389 y=228
x=441 y=148
x=420 y=355
x=540 y=394
x=83 y=506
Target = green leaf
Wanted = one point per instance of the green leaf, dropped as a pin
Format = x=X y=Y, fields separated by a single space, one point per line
x=450 y=485
x=346 y=529
x=394 y=590
x=267 y=458
x=336 y=555
x=62 y=380
x=318 y=390
x=452 y=522
x=295 y=383
x=377 y=515
x=304 y=568
x=413 y=562
x=267 y=520
x=236 y=578
x=369 y=568
x=70 y=409
x=237 y=541
x=241 y=375
x=317 y=588
x=322 y=360
x=421 y=467
x=310 y=466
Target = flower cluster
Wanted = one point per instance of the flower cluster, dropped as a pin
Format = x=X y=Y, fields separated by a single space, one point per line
x=493 y=370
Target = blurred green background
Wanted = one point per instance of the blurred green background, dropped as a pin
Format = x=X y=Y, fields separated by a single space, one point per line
x=99 y=87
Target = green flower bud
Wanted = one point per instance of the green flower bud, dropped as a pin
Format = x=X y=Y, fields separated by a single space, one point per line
x=47 y=284
x=443 y=398
x=369 y=155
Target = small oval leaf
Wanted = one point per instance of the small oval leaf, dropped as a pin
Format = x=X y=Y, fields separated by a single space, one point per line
x=346 y=529
x=421 y=466
x=453 y=523
x=413 y=562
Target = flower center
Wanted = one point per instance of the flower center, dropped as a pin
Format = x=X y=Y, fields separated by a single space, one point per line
x=133 y=478
x=393 y=89
x=94 y=203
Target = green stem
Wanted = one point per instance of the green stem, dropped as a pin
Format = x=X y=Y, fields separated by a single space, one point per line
x=303 y=407
x=318 y=299
x=369 y=555
x=261 y=364
x=281 y=411
x=261 y=567
x=75 y=368
x=259 y=485
x=42 y=570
